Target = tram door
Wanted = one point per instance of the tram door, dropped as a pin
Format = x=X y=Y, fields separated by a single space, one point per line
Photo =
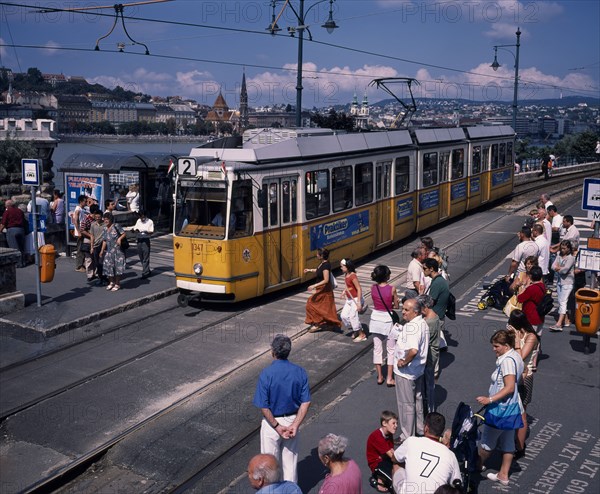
x=383 y=220
x=280 y=213
x=444 y=205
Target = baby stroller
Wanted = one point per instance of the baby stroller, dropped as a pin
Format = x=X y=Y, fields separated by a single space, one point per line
x=496 y=296
x=463 y=443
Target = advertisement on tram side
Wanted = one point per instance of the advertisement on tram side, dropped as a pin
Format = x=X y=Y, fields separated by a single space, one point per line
x=329 y=233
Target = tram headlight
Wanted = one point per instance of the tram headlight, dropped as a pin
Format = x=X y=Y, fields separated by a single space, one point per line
x=198 y=268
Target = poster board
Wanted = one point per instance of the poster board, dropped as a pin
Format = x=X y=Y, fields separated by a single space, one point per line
x=76 y=184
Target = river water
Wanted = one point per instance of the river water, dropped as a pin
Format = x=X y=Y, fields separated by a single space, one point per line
x=66 y=149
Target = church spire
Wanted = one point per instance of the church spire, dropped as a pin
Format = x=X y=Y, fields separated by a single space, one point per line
x=244 y=121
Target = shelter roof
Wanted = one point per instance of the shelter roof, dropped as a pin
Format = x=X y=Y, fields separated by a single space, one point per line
x=114 y=163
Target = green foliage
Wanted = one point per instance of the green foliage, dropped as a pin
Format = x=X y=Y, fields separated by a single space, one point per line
x=13 y=151
x=333 y=120
x=579 y=146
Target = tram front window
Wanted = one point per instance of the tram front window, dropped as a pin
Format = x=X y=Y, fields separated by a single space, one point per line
x=202 y=211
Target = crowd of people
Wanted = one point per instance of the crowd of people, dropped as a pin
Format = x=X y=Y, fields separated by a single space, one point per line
x=102 y=243
x=406 y=348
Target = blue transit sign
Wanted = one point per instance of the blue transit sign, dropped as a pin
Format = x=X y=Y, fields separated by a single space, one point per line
x=591 y=194
x=31 y=173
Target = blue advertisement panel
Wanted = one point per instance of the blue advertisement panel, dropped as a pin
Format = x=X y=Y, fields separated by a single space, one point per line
x=474 y=184
x=81 y=184
x=499 y=178
x=405 y=208
x=458 y=191
x=429 y=199
x=328 y=233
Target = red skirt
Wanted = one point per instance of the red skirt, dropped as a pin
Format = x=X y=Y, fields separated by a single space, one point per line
x=321 y=309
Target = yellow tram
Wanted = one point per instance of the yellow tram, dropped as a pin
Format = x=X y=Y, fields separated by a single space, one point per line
x=249 y=218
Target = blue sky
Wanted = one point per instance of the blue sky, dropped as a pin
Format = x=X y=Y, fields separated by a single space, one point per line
x=446 y=45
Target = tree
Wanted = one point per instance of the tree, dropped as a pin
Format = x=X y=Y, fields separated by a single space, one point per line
x=12 y=151
x=333 y=120
x=171 y=126
x=225 y=128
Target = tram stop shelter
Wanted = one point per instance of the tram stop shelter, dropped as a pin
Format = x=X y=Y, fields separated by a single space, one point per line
x=109 y=176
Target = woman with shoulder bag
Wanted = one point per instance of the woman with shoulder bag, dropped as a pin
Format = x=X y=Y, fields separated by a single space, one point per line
x=321 y=312
x=564 y=266
x=385 y=298
x=527 y=345
x=502 y=395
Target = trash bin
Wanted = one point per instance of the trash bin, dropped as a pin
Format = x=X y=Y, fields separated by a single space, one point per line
x=47 y=263
x=587 y=310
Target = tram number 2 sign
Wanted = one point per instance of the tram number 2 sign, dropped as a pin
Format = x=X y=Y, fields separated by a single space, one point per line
x=186 y=166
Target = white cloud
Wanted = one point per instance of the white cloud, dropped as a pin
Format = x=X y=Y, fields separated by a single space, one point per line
x=51 y=48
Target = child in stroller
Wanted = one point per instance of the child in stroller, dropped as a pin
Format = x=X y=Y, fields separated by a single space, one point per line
x=497 y=294
x=464 y=443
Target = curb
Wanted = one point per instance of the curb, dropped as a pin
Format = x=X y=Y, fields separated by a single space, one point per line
x=26 y=331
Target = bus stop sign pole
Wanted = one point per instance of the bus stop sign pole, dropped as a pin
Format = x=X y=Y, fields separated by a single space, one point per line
x=31 y=175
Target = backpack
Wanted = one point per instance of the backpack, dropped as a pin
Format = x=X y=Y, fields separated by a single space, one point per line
x=451 y=307
x=546 y=305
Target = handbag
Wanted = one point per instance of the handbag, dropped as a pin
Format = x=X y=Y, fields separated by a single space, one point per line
x=333 y=281
x=124 y=243
x=505 y=415
x=511 y=305
x=393 y=314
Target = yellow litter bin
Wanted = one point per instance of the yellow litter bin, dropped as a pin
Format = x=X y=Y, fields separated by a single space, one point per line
x=587 y=310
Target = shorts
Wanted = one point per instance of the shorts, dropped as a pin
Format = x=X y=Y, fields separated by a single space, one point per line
x=497 y=439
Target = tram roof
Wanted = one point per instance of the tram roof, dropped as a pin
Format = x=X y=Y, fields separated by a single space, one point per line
x=483 y=131
x=289 y=144
x=114 y=162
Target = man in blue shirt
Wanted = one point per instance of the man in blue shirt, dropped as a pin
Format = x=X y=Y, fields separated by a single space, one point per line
x=283 y=396
x=264 y=475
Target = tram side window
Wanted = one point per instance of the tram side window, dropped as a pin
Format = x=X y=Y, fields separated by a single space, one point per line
x=509 y=154
x=444 y=166
x=317 y=194
x=494 y=156
x=502 y=156
x=384 y=179
x=241 y=210
x=458 y=163
x=476 y=161
x=363 y=178
x=341 y=188
x=485 y=158
x=402 y=175
x=430 y=169
x=270 y=208
x=289 y=210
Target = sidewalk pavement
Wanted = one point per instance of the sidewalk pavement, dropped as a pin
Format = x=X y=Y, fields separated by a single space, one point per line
x=69 y=301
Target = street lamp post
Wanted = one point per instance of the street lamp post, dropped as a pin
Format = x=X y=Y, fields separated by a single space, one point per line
x=329 y=25
x=495 y=66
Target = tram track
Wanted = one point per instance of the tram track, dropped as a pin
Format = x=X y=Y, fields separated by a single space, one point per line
x=63 y=475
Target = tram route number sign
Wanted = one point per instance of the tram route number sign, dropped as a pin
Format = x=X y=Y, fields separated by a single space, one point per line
x=30 y=172
x=186 y=166
x=590 y=200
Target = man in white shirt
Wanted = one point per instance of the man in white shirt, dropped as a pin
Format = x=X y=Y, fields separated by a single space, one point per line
x=537 y=232
x=542 y=218
x=144 y=227
x=42 y=205
x=545 y=201
x=526 y=248
x=428 y=463
x=415 y=277
x=568 y=232
x=410 y=357
x=557 y=222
